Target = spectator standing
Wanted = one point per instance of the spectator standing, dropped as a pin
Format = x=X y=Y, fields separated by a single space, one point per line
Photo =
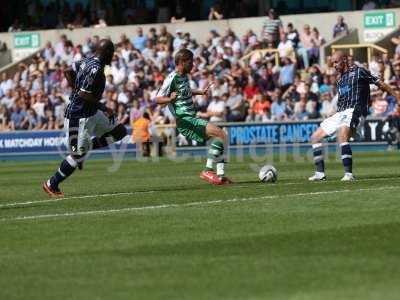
x=293 y=35
x=141 y=133
x=340 y=27
x=317 y=41
x=46 y=52
x=272 y=27
x=307 y=44
x=60 y=46
x=287 y=73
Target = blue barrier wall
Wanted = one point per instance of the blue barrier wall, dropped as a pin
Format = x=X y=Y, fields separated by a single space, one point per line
x=20 y=143
x=34 y=143
x=275 y=133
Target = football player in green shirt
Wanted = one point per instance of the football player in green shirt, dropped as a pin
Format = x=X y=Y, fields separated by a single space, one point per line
x=177 y=94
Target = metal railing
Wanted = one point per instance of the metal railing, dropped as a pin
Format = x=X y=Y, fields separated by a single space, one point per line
x=370 y=49
x=263 y=52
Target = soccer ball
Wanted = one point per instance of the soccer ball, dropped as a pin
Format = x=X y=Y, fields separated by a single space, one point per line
x=268 y=173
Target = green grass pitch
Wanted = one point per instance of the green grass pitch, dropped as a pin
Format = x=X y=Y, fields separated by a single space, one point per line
x=153 y=230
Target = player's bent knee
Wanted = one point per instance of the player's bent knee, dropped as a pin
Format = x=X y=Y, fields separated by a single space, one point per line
x=214 y=131
x=344 y=134
x=119 y=132
x=78 y=157
x=315 y=138
x=221 y=134
x=318 y=136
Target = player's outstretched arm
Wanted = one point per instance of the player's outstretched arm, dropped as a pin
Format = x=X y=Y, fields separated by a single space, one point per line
x=386 y=88
x=163 y=100
x=203 y=92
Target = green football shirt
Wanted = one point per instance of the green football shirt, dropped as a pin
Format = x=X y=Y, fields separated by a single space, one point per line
x=183 y=104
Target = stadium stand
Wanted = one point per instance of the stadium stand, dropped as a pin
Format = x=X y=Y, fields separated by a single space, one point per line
x=284 y=81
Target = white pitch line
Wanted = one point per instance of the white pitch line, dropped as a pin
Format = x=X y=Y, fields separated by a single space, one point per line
x=199 y=203
x=16 y=204
x=74 y=197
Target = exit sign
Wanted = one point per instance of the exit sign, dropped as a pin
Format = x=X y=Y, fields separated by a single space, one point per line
x=379 y=20
x=26 y=40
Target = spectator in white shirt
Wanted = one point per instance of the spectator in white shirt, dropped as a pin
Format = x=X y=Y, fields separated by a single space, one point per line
x=124 y=95
x=328 y=107
x=6 y=84
x=126 y=52
x=60 y=46
x=78 y=54
x=147 y=51
x=67 y=56
x=178 y=41
x=285 y=46
x=215 y=111
x=118 y=71
x=46 y=51
x=40 y=105
x=8 y=99
x=374 y=66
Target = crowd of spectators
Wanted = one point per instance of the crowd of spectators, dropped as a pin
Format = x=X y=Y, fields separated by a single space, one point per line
x=248 y=86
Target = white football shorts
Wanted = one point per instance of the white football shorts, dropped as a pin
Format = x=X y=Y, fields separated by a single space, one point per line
x=342 y=118
x=79 y=132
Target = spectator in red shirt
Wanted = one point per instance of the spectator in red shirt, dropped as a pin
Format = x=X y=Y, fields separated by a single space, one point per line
x=251 y=89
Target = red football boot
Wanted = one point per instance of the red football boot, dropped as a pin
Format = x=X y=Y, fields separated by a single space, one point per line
x=212 y=178
x=209 y=176
x=53 y=193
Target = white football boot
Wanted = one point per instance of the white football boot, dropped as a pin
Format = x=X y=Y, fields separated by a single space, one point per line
x=348 y=177
x=318 y=176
